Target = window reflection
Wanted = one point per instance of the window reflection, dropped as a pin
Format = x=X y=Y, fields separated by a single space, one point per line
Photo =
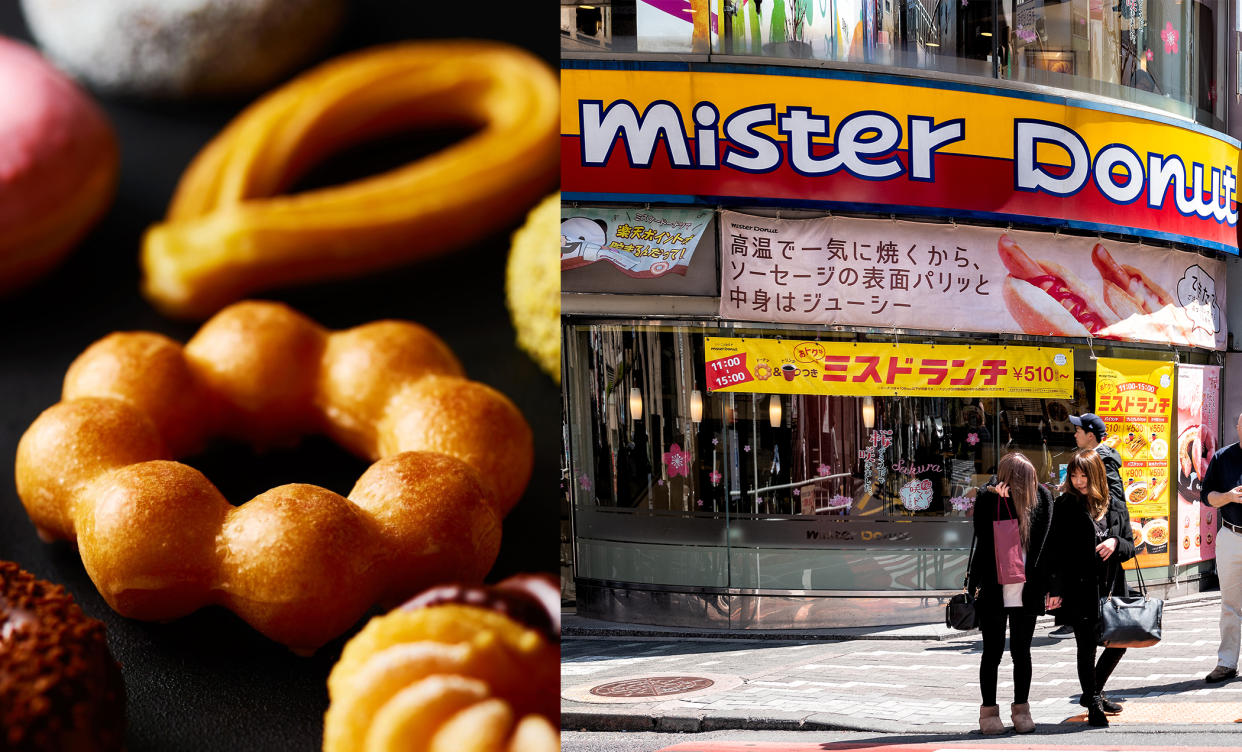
x=1161 y=53
x=658 y=443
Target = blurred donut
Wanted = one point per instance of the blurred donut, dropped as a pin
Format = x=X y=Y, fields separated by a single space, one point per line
x=58 y=165
x=149 y=48
x=59 y=688
x=533 y=287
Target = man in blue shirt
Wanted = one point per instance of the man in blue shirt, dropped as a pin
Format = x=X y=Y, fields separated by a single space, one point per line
x=1222 y=488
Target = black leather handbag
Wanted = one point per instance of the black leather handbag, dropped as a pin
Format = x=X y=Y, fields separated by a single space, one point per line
x=960 y=612
x=1131 y=621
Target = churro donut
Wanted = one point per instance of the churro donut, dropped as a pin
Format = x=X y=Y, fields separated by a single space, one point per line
x=533 y=286
x=154 y=48
x=58 y=165
x=229 y=232
x=457 y=668
x=299 y=563
x=60 y=690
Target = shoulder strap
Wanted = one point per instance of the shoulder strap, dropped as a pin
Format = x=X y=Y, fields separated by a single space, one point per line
x=1139 y=570
x=1047 y=528
x=970 y=560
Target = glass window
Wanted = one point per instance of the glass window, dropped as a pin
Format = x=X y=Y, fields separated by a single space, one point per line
x=672 y=485
x=1168 y=54
x=660 y=443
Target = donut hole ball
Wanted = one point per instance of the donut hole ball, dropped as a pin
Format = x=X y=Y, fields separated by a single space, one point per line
x=263 y=359
x=86 y=437
x=299 y=564
x=149 y=540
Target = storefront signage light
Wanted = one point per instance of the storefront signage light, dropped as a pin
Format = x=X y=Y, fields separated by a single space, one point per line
x=771 y=366
x=696 y=406
x=774 y=411
x=831 y=137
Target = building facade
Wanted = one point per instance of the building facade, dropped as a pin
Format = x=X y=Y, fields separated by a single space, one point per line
x=824 y=263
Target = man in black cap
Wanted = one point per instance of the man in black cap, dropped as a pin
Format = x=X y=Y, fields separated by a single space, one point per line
x=1222 y=488
x=1089 y=431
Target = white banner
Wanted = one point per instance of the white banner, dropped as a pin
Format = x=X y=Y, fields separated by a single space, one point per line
x=920 y=275
x=643 y=243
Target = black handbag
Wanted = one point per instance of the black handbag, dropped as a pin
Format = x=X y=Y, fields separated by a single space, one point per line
x=1130 y=621
x=960 y=612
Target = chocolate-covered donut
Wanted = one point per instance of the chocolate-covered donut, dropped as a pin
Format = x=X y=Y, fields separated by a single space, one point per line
x=531 y=599
x=59 y=688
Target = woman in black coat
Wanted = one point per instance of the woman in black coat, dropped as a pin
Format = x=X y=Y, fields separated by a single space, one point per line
x=1017 y=495
x=1091 y=537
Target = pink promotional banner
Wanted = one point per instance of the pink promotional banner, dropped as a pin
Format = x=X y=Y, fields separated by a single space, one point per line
x=867 y=272
x=1198 y=411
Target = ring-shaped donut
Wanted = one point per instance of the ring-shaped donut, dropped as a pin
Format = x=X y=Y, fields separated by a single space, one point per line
x=229 y=233
x=299 y=563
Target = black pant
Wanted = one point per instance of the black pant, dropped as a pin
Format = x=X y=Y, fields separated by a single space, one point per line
x=1092 y=678
x=1021 y=629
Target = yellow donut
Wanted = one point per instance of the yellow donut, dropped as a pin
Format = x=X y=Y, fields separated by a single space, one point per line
x=229 y=232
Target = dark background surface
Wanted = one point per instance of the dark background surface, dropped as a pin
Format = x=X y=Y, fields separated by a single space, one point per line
x=209 y=681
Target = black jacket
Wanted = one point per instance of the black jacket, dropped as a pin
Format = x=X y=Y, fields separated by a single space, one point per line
x=1039 y=552
x=1076 y=572
x=1112 y=473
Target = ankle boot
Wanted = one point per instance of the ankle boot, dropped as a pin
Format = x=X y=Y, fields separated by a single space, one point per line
x=989 y=720
x=1020 y=712
x=1110 y=707
x=1095 y=712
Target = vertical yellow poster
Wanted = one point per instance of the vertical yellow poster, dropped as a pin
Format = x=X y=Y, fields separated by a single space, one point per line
x=1135 y=399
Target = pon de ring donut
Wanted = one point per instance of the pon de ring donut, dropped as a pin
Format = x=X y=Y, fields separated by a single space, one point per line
x=298 y=562
x=229 y=233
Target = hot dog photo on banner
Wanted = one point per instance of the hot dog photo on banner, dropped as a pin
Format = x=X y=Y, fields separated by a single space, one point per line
x=835 y=270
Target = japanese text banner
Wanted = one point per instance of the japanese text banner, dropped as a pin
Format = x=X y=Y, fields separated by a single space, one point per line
x=866 y=272
x=1135 y=399
x=641 y=243
x=1198 y=409
x=772 y=366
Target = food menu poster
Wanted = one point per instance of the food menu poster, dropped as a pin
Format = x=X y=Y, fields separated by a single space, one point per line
x=779 y=366
x=1135 y=400
x=1198 y=411
x=642 y=243
x=884 y=273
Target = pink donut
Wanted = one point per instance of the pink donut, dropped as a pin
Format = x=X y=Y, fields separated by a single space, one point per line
x=58 y=165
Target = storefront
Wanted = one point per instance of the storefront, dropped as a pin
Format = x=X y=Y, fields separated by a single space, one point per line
x=809 y=307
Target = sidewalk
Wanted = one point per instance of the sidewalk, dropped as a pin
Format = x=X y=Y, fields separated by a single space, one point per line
x=920 y=679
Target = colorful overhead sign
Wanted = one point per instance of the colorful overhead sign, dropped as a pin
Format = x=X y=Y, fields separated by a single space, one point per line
x=777 y=366
x=818 y=137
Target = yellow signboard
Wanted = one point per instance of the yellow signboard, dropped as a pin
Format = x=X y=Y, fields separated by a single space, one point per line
x=780 y=366
x=1135 y=399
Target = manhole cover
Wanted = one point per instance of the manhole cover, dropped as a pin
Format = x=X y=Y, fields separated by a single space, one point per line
x=652 y=686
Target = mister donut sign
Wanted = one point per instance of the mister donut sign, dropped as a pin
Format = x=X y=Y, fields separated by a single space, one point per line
x=825 y=138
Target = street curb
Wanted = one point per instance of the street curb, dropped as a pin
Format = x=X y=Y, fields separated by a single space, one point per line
x=573 y=626
x=591 y=721
x=575 y=720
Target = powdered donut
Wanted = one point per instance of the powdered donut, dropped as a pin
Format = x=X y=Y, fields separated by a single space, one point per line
x=180 y=48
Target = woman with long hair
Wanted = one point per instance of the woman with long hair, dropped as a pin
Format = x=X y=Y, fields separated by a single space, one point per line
x=1017 y=495
x=1091 y=537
